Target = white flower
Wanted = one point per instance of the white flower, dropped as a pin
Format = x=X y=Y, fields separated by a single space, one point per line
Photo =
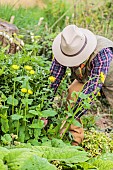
x=4 y=34
x=32 y=40
x=17 y=48
x=31 y=33
x=32 y=37
x=11 y=40
x=1 y=33
x=40 y=21
x=7 y=36
x=69 y=74
x=22 y=43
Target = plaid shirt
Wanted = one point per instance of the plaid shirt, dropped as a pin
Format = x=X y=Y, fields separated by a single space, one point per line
x=99 y=64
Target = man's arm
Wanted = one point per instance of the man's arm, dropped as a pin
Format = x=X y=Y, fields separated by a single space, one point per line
x=100 y=64
x=58 y=71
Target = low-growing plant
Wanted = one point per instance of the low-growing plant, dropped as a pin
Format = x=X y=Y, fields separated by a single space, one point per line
x=97 y=142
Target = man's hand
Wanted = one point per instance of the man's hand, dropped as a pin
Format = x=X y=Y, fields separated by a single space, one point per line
x=45 y=121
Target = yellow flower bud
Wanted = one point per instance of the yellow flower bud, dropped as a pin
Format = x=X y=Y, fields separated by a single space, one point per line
x=52 y=57
x=24 y=90
x=28 y=67
x=102 y=77
x=98 y=94
x=32 y=72
x=52 y=79
x=15 y=67
x=30 y=91
x=89 y=99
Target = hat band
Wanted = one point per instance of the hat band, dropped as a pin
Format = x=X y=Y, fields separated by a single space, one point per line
x=72 y=55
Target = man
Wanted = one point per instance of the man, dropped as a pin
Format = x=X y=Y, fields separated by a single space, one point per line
x=88 y=56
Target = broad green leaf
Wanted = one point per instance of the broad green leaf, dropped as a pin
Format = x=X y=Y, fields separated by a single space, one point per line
x=76 y=123
x=37 y=133
x=34 y=142
x=27 y=159
x=4 y=108
x=18 y=78
x=3 y=166
x=34 y=112
x=16 y=117
x=4 y=125
x=27 y=101
x=69 y=154
x=6 y=139
x=104 y=161
x=22 y=133
x=3 y=152
x=48 y=113
x=30 y=161
x=58 y=143
x=82 y=95
x=38 y=125
x=107 y=156
x=12 y=101
x=3 y=97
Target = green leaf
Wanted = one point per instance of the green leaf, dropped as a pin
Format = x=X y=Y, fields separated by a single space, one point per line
x=2 y=70
x=104 y=161
x=16 y=117
x=58 y=143
x=6 y=139
x=2 y=166
x=38 y=125
x=27 y=101
x=38 y=113
x=12 y=101
x=69 y=154
x=82 y=95
x=18 y=78
x=3 y=97
x=76 y=123
x=28 y=160
x=48 y=113
x=3 y=152
x=22 y=133
x=5 y=125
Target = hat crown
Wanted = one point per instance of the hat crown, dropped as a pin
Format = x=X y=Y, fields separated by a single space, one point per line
x=72 y=39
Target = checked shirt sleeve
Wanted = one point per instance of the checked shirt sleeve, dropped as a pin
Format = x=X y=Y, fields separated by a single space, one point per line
x=58 y=71
x=100 y=64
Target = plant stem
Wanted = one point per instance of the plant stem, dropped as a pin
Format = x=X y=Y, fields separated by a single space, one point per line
x=13 y=99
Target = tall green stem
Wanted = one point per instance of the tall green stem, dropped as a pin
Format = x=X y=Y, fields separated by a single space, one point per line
x=13 y=98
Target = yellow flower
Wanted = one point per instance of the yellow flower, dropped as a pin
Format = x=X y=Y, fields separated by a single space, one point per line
x=28 y=67
x=24 y=90
x=30 y=91
x=52 y=57
x=15 y=67
x=52 y=79
x=32 y=72
x=102 y=77
x=89 y=99
x=98 y=94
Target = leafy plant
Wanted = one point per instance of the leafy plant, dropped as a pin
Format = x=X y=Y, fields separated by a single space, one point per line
x=39 y=157
x=97 y=143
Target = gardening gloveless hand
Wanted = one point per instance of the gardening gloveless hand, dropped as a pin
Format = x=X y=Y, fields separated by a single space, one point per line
x=45 y=121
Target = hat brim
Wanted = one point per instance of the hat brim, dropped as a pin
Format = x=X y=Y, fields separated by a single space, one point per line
x=81 y=57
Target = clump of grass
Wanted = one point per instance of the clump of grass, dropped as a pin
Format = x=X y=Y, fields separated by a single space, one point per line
x=24 y=18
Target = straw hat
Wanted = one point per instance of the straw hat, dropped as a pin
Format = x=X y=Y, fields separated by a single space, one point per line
x=73 y=45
